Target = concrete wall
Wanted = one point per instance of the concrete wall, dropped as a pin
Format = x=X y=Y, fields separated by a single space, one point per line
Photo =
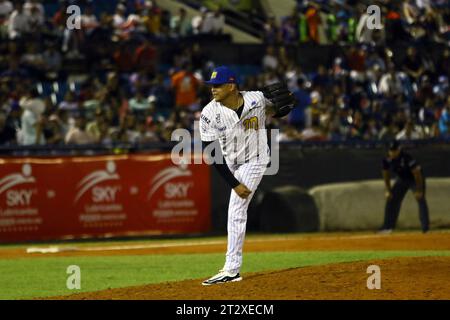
x=360 y=205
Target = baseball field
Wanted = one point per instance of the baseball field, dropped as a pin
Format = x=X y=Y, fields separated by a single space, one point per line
x=286 y=266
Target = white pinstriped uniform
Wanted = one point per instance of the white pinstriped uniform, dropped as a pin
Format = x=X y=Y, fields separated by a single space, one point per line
x=246 y=153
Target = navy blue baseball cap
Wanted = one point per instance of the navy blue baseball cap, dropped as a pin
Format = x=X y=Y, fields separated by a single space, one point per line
x=222 y=75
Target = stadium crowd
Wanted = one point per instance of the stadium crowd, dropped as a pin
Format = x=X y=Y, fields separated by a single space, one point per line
x=363 y=94
x=345 y=22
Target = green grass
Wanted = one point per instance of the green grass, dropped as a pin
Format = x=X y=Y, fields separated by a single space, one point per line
x=40 y=277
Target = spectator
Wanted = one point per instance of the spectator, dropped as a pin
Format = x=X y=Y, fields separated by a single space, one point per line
x=388 y=131
x=313 y=20
x=409 y=132
x=297 y=115
x=33 y=60
x=119 y=17
x=88 y=20
x=153 y=22
x=371 y=130
x=31 y=121
x=314 y=133
x=289 y=133
x=412 y=64
x=395 y=31
x=289 y=28
x=139 y=102
x=126 y=132
x=444 y=121
x=411 y=12
x=7 y=133
x=6 y=7
x=14 y=114
x=198 y=21
x=36 y=9
x=124 y=60
x=78 y=134
x=272 y=34
x=180 y=24
x=218 y=22
x=52 y=61
x=390 y=83
x=18 y=24
x=145 y=133
x=52 y=131
x=98 y=128
x=270 y=60
x=357 y=58
x=36 y=16
x=15 y=73
x=427 y=115
x=69 y=103
x=145 y=57
x=185 y=85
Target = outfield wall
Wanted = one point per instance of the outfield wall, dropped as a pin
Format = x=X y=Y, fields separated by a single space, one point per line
x=327 y=168
x=360 y=205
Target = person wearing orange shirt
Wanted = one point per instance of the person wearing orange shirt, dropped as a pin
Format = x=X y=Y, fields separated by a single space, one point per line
x=185 y=85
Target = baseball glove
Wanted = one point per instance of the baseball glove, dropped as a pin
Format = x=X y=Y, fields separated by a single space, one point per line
x=282 y=99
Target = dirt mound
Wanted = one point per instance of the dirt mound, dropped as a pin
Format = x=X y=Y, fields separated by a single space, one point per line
x=401 y=278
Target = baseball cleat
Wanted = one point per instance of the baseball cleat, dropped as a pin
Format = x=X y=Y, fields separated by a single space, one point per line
x=385 y=231
x=222 y=277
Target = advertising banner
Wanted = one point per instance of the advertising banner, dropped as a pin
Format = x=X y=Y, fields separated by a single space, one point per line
x=101 y=196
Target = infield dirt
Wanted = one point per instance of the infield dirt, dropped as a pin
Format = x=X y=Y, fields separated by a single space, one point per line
x=402 y=278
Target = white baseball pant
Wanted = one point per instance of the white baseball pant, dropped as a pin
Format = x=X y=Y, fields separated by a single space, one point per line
x=249 y=174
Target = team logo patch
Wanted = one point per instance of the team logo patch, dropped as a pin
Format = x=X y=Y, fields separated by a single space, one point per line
x=214 y=75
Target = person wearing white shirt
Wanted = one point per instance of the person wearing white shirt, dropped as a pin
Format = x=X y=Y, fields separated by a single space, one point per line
x=218 y=22
x=31 y=131
x=119 y=17
x=270 y=61
x=390 y=83
x=18 y=23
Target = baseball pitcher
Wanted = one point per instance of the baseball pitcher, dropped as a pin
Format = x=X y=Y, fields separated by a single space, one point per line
x=236 y=119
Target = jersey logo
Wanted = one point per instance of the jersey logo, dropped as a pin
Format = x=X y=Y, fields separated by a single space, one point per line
x=251 y=123
x=205 y=119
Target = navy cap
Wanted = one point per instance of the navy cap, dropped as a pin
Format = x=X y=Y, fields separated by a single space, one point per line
x=222 y=75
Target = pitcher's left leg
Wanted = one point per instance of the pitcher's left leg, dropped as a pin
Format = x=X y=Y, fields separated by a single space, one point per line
x=250 y=174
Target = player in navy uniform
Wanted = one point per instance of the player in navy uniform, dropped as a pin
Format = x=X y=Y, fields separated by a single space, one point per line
x=409 y=176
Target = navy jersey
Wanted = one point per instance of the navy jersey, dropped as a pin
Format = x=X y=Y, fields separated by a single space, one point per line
x=402 y=166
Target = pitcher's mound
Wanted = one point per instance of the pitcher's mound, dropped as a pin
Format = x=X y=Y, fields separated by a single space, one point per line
x=401 y=278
